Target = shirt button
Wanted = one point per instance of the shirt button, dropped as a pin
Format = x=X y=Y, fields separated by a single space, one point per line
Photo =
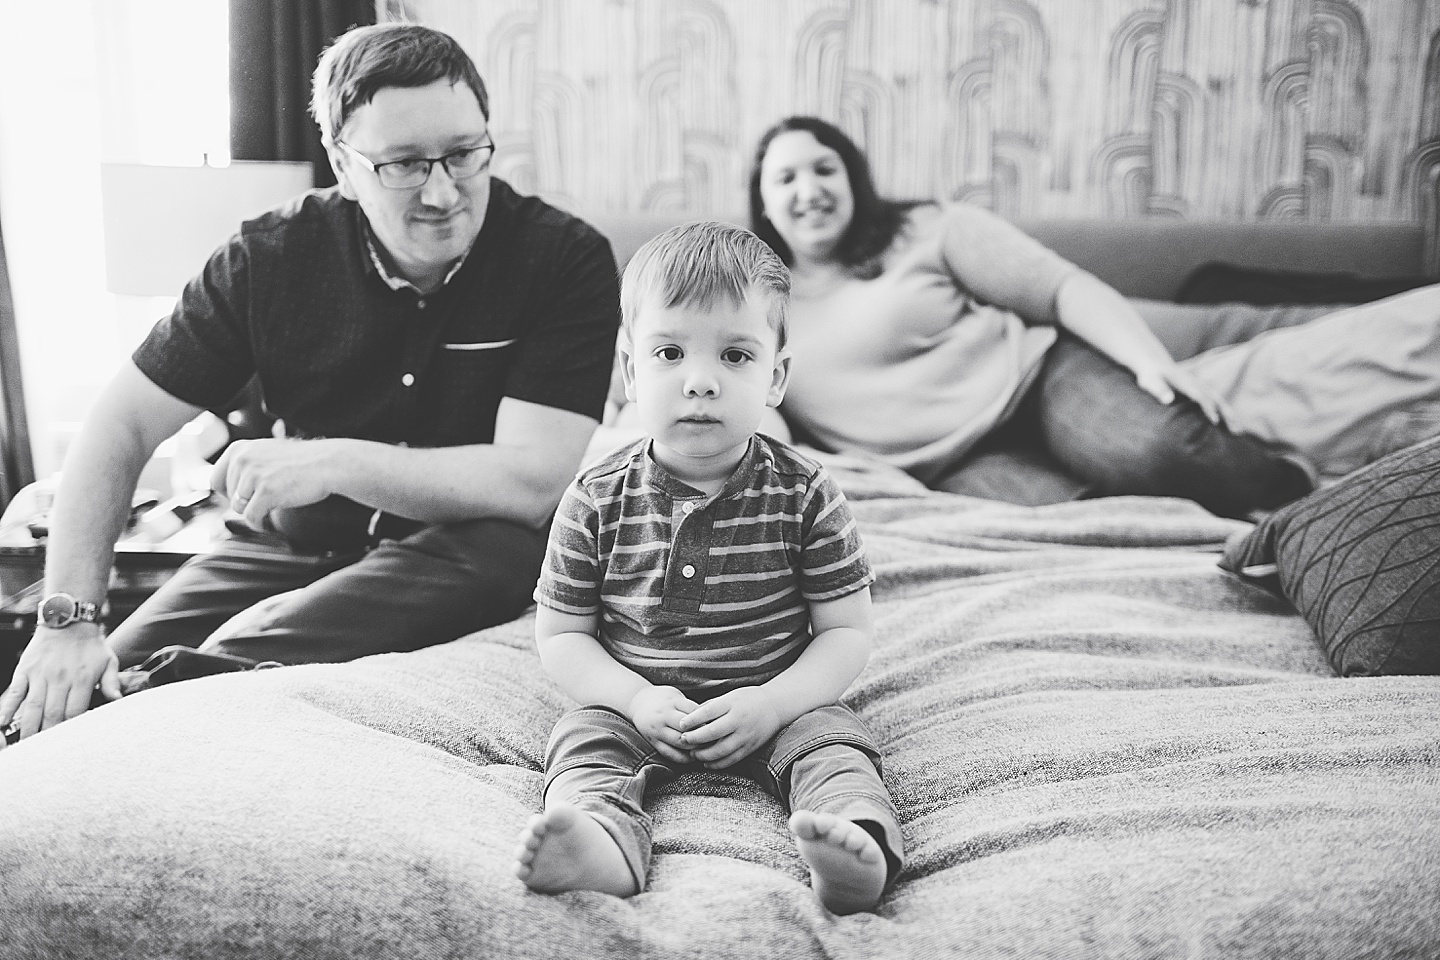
x=687 y=508
x=420 y=304
x=687 y=571
x=408 y=379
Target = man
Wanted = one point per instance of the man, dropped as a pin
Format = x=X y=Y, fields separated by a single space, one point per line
x=437 y=350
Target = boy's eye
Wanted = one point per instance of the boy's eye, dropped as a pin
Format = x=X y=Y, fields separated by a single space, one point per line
x=668 y=354
x=734 y=355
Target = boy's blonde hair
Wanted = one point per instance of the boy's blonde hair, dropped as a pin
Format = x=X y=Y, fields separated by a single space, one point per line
x=698 y=264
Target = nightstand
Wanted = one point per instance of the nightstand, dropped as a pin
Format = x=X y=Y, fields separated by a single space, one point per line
x=142 y=565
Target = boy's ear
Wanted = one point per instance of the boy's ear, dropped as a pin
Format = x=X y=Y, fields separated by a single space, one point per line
x=626 y=351
x=779 y=379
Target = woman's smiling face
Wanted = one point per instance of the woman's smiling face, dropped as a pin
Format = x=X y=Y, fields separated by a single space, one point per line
x=805 y=189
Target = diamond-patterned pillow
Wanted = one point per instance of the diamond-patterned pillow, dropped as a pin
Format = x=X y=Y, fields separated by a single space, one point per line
x=1360 y=561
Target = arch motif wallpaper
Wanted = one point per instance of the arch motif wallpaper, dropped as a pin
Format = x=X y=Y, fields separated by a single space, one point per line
x=1229 y=109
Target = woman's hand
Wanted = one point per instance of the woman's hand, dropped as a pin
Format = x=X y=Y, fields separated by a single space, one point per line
x=1163 y=380
x=1096 y=313
x=659 y=713
x=726 y=730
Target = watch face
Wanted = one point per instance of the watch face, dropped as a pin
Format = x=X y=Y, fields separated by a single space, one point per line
x=58 y=610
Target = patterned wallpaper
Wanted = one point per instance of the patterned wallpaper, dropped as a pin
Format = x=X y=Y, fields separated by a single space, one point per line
x=1231 y=109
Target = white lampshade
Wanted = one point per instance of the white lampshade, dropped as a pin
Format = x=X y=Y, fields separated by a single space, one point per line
x=163 y=223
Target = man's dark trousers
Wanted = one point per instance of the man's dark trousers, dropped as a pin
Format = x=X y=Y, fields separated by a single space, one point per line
x=429 y=587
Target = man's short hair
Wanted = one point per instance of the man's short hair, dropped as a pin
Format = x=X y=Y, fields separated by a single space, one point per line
x=365 y=60
x=702 y=263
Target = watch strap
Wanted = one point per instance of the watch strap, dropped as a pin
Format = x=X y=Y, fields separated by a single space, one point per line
x=87 y=612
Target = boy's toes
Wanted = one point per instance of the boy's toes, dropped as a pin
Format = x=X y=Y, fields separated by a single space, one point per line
x=808 y=825
x=860 y=843
x=530 y=841
x=847 y=867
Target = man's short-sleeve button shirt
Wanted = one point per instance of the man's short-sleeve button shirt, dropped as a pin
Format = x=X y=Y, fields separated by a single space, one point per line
x=294 y=298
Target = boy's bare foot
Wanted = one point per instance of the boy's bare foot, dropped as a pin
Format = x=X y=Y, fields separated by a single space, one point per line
x=565 y=848
x=847 y=866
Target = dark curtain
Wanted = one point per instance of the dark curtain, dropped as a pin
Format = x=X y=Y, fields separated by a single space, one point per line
x=17 y=464
x=274 y=45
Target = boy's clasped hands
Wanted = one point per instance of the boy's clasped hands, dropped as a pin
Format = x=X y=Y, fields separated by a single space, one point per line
x=718 y=733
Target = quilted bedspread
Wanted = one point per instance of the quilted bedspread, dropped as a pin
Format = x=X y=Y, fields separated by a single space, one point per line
x=1100 y=744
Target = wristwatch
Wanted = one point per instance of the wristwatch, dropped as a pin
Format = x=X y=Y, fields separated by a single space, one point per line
x=59 y=610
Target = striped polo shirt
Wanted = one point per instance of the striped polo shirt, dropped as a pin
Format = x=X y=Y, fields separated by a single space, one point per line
x=703 y=596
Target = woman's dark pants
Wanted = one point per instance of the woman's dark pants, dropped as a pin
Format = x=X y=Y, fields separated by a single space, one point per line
x=1086 y=429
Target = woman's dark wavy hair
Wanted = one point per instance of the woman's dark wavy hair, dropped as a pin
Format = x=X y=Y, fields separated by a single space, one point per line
x=876 y=220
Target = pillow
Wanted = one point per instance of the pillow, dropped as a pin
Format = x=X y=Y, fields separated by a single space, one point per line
x=1228 y=283
x=1189 y=329
x=1360 y=561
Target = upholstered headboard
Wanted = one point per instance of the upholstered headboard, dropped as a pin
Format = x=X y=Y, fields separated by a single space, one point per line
x=1152 y=257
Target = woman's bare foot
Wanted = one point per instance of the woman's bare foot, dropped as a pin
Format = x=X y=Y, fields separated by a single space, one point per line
x=565 y=848
x=847 y=866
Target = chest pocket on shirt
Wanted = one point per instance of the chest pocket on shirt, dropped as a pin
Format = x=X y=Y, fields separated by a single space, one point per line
x=479 y=345
x=465 y=387
x=471 y=371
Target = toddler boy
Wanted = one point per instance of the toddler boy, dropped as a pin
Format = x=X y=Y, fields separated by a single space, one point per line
x=705 y=595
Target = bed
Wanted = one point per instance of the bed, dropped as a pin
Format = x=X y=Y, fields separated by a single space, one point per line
x=1101 y=745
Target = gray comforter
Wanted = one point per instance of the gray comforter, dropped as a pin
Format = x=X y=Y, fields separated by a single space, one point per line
x=1100 y=744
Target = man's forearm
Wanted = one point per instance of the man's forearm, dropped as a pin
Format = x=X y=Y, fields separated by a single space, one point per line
x=91 y=507
x=444 y=484
x=520 y=476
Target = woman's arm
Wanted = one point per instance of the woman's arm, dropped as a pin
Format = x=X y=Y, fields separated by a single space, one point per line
x=1098 y=314
x=998 y=263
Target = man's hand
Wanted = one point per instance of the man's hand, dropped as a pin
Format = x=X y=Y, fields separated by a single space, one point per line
x=658 y=713
x=263 y=475
x=56 y=677
x=726 y=730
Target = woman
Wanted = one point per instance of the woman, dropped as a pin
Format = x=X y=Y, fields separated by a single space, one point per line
x=945 y=341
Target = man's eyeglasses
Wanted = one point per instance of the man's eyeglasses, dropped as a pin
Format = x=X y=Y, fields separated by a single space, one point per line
x=415 y=171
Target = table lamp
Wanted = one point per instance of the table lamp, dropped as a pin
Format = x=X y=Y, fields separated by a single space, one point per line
x=162 y=223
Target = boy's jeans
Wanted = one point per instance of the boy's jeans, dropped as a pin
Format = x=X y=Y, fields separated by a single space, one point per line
x=824 y=762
